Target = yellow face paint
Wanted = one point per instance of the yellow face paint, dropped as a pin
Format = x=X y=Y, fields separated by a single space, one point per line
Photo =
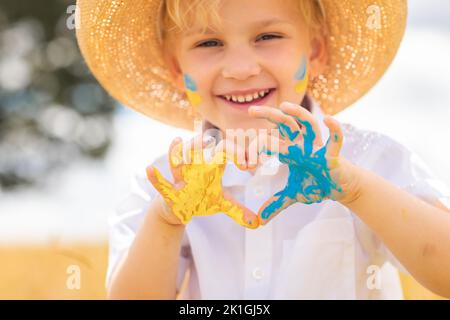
x=194 y=98
x=302 y=77
x=202 y=193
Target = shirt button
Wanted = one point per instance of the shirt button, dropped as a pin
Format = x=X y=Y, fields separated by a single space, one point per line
x=257 y=274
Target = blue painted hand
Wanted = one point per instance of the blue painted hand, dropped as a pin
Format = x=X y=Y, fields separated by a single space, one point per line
x=310 y=164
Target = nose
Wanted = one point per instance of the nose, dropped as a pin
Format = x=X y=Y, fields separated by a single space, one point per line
x=240 y=64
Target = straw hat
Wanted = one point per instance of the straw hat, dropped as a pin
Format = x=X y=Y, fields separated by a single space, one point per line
x=120 y=42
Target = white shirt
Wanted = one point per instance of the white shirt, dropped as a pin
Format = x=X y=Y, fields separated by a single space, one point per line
x=317 y=251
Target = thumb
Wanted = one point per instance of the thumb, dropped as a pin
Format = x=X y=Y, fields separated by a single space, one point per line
x=272 y=207
x=335 y=141
x=158 y=181
x=239 y=213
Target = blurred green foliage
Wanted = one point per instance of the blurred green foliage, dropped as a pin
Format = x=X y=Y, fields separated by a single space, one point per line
x=52 y=111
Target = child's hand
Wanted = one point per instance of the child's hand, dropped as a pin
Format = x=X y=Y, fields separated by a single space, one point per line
x=316 y=172
x=197 y=188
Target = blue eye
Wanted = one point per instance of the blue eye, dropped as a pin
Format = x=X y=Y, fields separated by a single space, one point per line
x=269 y=37
x=209 y=43
x=215 y=43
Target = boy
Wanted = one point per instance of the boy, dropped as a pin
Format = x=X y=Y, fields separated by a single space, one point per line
x=228 y=57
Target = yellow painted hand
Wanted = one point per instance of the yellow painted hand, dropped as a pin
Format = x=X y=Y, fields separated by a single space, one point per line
x=197 y=188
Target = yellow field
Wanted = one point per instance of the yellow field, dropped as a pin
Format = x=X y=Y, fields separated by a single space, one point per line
x=41 y=272
x=46 y=272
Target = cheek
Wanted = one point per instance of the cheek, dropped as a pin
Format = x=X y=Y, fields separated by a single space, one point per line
x=204 y=82
x=281 y=61
x=285 y=65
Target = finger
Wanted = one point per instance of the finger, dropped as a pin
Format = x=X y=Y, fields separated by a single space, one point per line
x=164 y=187
x=252 y=154
x=272 y=207
x=176 y=158
x=263 y=144
x=194 y=150
x=306 y=119
x=226 y=149
x=270 y=146
x=209 y=143
x=240 y=214
x=289 y=128
x=336 y=139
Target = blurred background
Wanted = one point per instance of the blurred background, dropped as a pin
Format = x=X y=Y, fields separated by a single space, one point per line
x=68 y=150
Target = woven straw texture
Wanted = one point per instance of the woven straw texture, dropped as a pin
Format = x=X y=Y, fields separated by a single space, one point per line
x=120 y=42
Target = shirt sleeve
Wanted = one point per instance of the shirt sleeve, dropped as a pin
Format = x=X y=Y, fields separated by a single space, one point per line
x=129 y=214
x=408 y=171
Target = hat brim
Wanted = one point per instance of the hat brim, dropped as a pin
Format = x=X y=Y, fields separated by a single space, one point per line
x=120 y=43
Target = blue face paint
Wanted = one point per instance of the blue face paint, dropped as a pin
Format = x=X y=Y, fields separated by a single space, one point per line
x=189 y=83
x=302 y=77
x=309 y=178
x=301 y=72
x=191 y=90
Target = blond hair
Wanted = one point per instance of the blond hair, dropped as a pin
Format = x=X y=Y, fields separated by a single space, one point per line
x=179 y=15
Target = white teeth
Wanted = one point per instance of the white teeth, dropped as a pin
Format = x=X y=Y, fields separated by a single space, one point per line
x=248 y=97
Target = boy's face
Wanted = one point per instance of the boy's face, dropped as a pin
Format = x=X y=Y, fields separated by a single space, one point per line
x=261 y=46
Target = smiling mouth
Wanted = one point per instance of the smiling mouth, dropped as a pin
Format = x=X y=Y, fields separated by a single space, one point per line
x=247 y=101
